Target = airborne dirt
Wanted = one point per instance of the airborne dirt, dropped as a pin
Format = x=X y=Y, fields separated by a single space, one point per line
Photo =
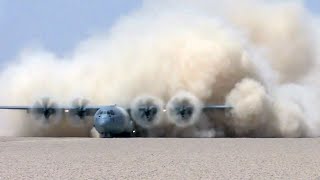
x=261 y=57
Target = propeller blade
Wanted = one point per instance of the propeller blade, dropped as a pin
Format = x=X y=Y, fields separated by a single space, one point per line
x=78 y=112
x=46 y=111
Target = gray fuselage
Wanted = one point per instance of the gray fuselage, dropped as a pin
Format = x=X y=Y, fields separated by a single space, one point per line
x=112 y=120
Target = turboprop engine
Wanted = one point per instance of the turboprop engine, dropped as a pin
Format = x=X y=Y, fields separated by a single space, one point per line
x=184 y=109
x=79 y=114
x=46 y=111
x=147 y=111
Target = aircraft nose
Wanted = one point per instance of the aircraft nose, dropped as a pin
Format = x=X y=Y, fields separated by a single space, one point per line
x=100 y=123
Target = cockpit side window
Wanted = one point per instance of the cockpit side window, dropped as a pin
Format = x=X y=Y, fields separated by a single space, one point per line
x=100 y=112
x=111 y=112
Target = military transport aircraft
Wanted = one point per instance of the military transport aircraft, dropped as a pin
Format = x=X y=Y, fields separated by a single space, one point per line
x=115 y=121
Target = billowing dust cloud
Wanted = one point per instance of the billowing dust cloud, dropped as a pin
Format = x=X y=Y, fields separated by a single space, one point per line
x=261 y=57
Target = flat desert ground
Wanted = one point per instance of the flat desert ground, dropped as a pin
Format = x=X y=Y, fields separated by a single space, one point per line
x=159 y=158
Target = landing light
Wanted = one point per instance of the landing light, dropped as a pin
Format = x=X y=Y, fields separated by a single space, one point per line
x=66 y=110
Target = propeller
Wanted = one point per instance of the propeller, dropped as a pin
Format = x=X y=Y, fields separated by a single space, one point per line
x=184 y=109
x=78 y=111
x=46 y=110
x=146 y=111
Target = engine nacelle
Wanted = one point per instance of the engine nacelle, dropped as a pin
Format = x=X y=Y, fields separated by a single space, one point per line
x=184 y=109
x=78 y=115
x=147 y=111
x=46 y=112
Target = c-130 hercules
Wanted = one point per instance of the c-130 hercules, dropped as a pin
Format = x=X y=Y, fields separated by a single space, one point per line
x=115 y=121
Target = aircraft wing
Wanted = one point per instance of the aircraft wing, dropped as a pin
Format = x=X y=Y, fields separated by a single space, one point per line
x=89 y=110
x=15 y=107
x=33 y=107
x=216 y=107
x=92 y=108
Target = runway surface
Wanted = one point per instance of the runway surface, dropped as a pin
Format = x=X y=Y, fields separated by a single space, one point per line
x=149 y=158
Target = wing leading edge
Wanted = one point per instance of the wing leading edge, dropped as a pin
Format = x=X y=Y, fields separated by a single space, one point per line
x=16 y=107
x=218 y=107
x=90 y=110
x=33 y=107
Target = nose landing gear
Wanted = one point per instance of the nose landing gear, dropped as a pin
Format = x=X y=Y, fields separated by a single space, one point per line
x=105 y=135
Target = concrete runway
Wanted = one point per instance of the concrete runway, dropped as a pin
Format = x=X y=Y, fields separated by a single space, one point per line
x=149 y=158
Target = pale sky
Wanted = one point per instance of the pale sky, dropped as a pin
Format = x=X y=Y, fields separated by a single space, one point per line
x=58 y=25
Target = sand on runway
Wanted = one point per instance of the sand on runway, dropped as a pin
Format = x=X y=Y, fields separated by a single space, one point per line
x=159 y=158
